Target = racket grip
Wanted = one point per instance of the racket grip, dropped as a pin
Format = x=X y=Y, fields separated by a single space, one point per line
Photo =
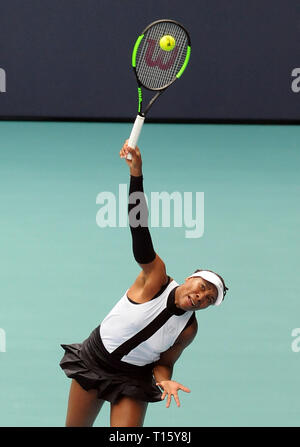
x=135 y=133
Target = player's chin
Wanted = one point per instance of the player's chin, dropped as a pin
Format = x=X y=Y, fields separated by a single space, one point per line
x=188 y=305
x=187 y=308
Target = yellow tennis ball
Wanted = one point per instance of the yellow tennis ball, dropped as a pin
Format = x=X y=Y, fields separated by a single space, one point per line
x=167 y=43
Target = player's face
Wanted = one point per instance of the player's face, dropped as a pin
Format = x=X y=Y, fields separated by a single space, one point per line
x=196 y=294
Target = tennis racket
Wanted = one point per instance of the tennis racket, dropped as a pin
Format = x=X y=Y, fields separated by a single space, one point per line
x=160 y=56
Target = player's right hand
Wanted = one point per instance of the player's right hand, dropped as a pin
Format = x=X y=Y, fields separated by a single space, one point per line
x=135 y=164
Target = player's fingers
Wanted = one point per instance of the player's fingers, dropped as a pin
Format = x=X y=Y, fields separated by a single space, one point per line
x=126 y=147
x=176 y=399
x=163 y=395
x=169 y=400
x=133 y=153
x=184 y=388
x=123 y=153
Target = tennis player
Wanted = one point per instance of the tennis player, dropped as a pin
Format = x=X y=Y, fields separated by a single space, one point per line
x=128 y=359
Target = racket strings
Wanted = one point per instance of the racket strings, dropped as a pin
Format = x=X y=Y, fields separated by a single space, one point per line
x=159 y=75
x=155 y=67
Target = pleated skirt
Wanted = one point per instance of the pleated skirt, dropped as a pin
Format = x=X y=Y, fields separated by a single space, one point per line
x=93 y=367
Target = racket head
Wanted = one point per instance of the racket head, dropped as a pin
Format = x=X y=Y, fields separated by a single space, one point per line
x=156 y=69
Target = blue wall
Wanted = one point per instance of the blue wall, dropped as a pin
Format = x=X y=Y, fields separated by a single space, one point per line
x=71 y=59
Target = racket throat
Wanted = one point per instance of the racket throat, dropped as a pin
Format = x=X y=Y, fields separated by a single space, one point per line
x=152 y=101
x=140 y=99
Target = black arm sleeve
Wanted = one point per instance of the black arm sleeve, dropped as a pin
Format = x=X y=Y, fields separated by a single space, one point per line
x=142 y=247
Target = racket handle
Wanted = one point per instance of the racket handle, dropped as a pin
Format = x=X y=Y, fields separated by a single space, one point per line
x=135 y=133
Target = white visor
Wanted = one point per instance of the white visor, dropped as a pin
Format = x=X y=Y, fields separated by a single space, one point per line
x=214 y=279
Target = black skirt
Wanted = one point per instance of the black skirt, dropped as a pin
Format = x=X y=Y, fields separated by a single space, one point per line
x=92 y=366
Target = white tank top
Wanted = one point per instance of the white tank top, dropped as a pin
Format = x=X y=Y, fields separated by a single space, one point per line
x=126 y=319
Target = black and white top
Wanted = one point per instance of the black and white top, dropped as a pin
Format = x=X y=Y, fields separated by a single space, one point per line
x=139 y=333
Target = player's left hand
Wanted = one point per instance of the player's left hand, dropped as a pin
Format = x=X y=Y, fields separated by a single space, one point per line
x=171 y=388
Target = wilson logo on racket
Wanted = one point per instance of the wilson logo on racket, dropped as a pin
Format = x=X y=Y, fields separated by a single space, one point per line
x=159 y=61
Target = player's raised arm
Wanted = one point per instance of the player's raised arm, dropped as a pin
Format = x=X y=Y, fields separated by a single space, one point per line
x=142 y=246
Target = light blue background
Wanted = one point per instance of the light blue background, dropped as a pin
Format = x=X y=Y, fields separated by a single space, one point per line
x=61 y=273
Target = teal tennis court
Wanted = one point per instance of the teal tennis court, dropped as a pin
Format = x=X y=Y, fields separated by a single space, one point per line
x=61 y=272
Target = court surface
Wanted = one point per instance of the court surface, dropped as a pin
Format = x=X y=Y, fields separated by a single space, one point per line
x=61 y=273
